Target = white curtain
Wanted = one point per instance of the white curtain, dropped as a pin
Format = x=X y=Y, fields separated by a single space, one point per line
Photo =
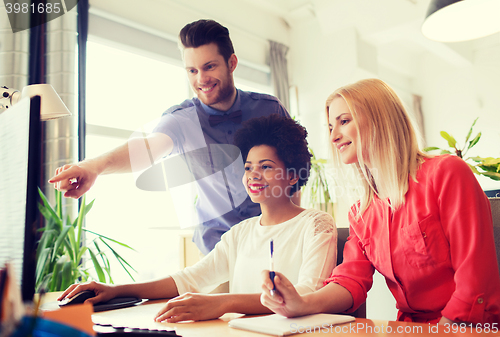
x=59 y=136
x=419 y=117
x=13 y=54
x=279 y=72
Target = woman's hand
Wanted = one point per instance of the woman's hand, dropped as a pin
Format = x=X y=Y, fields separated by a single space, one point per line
x=285 y=300
x=102 y=292
x=192 y=307
x=445 y=320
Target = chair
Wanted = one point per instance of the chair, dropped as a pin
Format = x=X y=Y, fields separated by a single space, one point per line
x=495 y=212
x=343 y=234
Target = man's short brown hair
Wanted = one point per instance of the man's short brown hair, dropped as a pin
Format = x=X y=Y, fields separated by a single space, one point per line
x=202 y=32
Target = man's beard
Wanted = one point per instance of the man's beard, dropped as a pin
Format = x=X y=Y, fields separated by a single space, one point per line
x=225 y=92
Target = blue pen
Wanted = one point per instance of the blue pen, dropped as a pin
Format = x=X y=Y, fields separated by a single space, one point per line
x=272 y=274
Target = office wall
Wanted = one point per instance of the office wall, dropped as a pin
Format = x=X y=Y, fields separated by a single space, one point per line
x=458 y=82
x=250 y=28
x=453 y=96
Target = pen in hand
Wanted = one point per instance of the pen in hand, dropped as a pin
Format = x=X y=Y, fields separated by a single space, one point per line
x=272 y=274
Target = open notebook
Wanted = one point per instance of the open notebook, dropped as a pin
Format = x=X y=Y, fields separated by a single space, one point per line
x=280 y=326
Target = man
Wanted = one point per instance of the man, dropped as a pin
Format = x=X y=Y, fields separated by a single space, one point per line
x=197 y=129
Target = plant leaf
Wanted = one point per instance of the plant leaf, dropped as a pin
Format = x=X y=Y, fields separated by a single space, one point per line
x=88 y=207
x=492 y=175
x=451 y=141
x=487 y=168
x=470 y=131
x=110 y=239
x=97 y=266
x=120 y=259
x=446 y=152
x=60 y=240
x=72 y=246
x=80 y=254
x=45 y=241
x=66 y=279
x=50 y=217
x=79 y=221
x=474 y=141
x=41 y=264
x=431 y=148
x=490 y=161
x=318 y=161
x=55 y=274
x=44 y=284
x=58 y=203
x=474 y=169
x=50 y=210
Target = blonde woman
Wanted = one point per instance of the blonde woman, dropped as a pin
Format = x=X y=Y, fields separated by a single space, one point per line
x=422 y=221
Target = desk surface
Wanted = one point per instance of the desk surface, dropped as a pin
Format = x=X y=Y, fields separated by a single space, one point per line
x=141 y=316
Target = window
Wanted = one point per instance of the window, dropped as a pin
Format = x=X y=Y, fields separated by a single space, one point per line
x=129 y=86
x=126 y=91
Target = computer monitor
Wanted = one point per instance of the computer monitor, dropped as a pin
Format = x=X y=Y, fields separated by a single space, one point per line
x=20 y=144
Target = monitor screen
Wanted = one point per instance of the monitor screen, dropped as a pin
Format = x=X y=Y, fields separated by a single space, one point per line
x=19 y=176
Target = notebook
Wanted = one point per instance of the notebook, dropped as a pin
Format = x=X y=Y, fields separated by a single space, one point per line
x=281 y=326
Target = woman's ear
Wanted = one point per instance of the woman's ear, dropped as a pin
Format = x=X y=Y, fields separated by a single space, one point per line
x=293 y=180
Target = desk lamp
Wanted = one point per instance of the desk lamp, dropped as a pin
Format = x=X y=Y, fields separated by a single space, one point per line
x=461 y=20
x=52 y=106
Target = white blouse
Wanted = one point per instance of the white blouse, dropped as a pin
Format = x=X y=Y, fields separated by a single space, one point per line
x=305 y=251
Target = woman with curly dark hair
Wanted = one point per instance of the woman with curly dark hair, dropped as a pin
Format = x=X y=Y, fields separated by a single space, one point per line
x=277 y=163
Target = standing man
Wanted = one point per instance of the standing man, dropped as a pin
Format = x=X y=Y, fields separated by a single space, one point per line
x=197 y=129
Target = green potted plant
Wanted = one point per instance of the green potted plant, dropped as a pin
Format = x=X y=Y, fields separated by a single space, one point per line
x=489 y=166
x=316 y=192
x=62 y=250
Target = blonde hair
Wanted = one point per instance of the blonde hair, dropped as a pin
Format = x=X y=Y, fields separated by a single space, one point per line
x=387 y=140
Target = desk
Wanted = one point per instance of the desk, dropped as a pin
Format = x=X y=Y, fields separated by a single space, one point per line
x=142 y=316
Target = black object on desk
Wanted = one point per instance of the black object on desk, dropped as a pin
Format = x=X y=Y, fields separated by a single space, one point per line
x=103 y=331
x=114 y=303
x=117 y=303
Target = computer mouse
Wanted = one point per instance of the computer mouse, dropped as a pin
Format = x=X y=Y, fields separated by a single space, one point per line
x=78 y=298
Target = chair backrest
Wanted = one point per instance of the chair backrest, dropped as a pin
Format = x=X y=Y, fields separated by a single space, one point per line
x=495 y=212
x=342 y=235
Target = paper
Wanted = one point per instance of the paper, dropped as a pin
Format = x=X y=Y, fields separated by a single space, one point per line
x=280 y=326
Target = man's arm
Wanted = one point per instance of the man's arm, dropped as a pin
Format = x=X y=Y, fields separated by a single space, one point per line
x=135 y=155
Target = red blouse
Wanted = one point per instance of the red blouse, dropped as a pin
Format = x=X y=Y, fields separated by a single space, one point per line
x=436 y=252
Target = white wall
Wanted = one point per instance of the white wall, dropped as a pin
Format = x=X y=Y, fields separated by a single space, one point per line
x=453 y=96
x=249 y=27
x=458 y=83
x=319 y=64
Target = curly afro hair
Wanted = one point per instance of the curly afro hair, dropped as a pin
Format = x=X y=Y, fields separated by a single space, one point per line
x=284 y=134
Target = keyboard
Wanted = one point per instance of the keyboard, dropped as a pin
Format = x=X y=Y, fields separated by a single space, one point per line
x=103 y=331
